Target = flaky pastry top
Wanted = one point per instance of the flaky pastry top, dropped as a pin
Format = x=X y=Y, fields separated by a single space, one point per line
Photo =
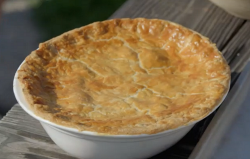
x=125 y=76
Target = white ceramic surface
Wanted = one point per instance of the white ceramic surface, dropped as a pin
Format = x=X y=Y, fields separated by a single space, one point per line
x=90 y=145
x=101 y=147
x=238 y=8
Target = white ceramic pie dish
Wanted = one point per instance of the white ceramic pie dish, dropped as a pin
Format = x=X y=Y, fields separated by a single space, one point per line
x=90 y=145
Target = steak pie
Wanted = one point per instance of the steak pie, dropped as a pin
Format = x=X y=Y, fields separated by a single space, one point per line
x=125 y=76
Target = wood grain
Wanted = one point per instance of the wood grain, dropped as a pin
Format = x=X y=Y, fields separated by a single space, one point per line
x=237 y=51
x=22 y=137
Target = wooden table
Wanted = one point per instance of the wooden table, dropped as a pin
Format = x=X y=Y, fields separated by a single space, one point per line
x=21 y=136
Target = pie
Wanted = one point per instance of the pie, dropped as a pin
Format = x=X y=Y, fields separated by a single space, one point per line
x=125 y=76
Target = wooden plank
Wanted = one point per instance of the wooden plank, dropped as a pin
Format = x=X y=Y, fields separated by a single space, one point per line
x=20 y=140
x=39 y=131
x=21 y=136
x=237 y=52
x=237 y=43
x=26 y=145
x=20 y=120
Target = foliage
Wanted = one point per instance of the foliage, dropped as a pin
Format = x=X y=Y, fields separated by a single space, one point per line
x=57 y=16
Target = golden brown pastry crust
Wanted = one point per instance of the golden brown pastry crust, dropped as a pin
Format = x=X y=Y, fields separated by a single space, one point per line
x=125 y=76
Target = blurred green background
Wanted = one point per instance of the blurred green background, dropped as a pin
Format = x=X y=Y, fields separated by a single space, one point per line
x=57 y=16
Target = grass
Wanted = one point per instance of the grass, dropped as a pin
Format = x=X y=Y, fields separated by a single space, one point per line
x=57 y=16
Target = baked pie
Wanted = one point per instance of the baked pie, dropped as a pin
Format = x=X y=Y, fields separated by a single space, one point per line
x=125 y=76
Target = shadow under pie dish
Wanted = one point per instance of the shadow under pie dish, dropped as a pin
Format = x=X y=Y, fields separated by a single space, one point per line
x=124 y=77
